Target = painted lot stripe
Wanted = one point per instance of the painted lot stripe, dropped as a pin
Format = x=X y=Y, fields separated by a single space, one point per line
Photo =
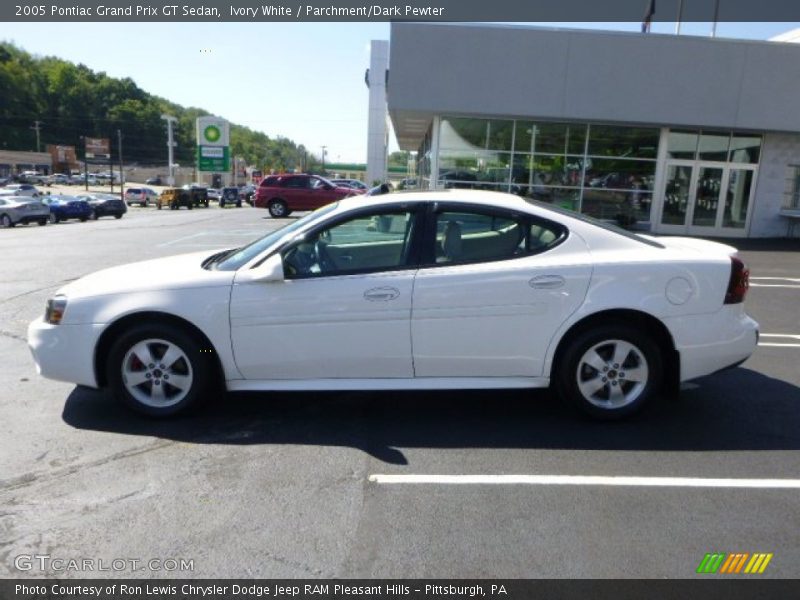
x=794 y=279
x=781 y=337
x=588 y=480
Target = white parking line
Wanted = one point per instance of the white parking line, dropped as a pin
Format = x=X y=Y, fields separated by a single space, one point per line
x=788 y=336
x=793 y=280
x=593 y=480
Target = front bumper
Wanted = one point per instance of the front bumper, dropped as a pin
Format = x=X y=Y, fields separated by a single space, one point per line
x=64 y=352
x=710 y=343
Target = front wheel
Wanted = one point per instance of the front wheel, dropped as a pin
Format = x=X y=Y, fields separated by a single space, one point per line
x=93 y=216
x=120 y=216
x=6 y=221
x=54 y=218
x=42 y=222
x=278 y=209
x=609 y=372
x=158 y=370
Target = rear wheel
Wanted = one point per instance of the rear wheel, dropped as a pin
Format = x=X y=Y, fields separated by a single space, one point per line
x=609 y=372
x=278 y=209
x=54 y=218
x=83 y=219
x=158 y=370
x=42 y=222
x=120 y=216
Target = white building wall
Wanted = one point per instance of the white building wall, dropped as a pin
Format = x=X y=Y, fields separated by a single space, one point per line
x=778 y=152
x=377 y=132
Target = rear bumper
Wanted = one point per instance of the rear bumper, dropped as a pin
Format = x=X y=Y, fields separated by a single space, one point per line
x=710 y=343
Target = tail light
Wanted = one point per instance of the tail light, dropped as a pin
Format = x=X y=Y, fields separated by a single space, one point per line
x=738 y=283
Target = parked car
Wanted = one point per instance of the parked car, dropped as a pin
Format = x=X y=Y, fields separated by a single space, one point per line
x=229 y=196
x=64 y=208
x=22 y=209
x=188 y=196
x=247 y=192
x=459 y=180
x=505 y=294
x=58 y=179
x=105 y=205
x=32 y=177
x=283 y=194
x=140 y=195
x=22 y=189
x=407 y=184
x=351 y=183
x=82 y=179
x=213 y=194
x=154 y=180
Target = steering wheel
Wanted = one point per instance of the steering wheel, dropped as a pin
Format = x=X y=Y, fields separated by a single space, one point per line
x=324 y=257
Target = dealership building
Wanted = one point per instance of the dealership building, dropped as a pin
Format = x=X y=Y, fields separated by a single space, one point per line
x=669 y=134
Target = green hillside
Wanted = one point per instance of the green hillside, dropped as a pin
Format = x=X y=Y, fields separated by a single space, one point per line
x=72 y=101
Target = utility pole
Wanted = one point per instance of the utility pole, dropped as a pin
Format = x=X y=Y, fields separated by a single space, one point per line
x=121 y=175
x=171 y=147
x=323 y=159
x=37 y=125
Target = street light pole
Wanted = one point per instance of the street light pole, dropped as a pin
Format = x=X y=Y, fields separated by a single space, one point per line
x=170 y=147
x=323 y=159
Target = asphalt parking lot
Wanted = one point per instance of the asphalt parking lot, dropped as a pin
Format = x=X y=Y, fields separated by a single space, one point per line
x=291 y=485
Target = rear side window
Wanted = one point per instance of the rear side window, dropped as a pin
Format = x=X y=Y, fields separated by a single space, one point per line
x=467 y=237
x=295 y=182
x=270 y=181
x=133 y=191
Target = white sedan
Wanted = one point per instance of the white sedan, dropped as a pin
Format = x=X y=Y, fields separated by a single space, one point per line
x=426 y=290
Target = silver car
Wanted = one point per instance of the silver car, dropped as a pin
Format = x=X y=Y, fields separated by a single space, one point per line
x=22 y=209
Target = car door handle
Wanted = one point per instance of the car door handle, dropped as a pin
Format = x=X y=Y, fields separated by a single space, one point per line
x=381 y=294
x=547 y=282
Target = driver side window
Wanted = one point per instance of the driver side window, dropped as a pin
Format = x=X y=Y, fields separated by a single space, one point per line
x=363 y=244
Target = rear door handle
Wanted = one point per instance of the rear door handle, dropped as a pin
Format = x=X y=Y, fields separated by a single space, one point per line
x=547 y=282
x=381 y=294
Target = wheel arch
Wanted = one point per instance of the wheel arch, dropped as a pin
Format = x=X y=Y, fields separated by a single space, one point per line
x=116 y=328
x=626 y=316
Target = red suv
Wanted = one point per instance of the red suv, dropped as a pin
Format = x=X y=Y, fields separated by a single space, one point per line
x=282 y=194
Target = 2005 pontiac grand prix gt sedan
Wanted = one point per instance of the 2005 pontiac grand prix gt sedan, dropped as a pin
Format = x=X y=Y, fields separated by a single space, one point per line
x=456 y=289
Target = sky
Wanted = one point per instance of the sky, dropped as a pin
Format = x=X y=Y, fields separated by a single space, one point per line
x=303 y=81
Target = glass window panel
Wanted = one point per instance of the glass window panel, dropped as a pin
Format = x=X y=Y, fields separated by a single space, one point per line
x=676 y=195
x=631 y=142
x=745 y=148
x=623 y=207
x=568 y=198
x=682 y=144
x=467 y=134
x=713 y=146
x=557 y=170
x=737 y=198
x=471 y=237
x=709 y=180
x=366 y=243
x=621 y=174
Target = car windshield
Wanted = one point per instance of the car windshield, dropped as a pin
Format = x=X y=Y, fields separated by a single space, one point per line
x=596 y=222
x=246 y=253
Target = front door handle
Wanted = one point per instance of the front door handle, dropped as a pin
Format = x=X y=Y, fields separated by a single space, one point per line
x=547 y=282
x=381 y=294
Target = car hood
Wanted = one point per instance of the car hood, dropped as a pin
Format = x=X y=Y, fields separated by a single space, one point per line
x=174 y=272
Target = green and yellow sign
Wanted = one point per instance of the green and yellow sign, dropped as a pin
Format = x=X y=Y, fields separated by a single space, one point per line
x=213 y=145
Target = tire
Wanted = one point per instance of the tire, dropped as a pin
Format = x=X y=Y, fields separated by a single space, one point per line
x=120 y=216
x=278 y=209
x=158 y=205
x=54 y=218
x=610 y=371
x=142 y=204
x=42 y=222
x=239 y=204
x=83 y=219
x=191 y=205
x=222 y=202
x=139 y=379
x=6 y=221
x=94 y=216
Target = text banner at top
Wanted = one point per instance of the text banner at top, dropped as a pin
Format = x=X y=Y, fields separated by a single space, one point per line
x=400 y=10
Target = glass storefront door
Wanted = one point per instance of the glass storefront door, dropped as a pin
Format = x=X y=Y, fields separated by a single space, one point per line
x=702 y=198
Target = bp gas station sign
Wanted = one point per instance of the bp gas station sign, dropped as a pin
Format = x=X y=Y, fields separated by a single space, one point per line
x=213 y=145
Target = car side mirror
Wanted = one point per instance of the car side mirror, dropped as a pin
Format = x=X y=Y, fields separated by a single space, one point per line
x=268 y=271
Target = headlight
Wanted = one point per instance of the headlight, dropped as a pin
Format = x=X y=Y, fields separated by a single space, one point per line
x=55 y=310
